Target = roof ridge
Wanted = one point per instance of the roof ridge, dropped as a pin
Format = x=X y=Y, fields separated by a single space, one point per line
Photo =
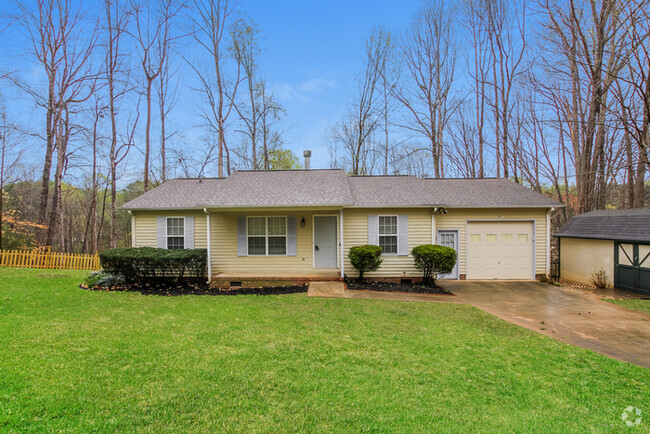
x=283 y=170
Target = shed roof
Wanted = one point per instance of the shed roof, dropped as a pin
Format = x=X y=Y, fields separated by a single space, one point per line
x=620 y=224
x=332 y=187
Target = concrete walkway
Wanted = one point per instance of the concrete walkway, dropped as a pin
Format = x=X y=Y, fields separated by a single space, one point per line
x=338 y=290
x=574 y=316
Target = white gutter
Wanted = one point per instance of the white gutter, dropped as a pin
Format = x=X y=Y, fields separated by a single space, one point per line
x=132 y=228
x=548 y=241
x=341 y=247
x=208 y=226
x=433 y=226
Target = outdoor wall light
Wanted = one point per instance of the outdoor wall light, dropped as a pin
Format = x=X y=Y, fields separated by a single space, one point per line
x=302 y=222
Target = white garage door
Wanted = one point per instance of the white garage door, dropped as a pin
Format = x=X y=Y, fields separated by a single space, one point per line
x=500 y=250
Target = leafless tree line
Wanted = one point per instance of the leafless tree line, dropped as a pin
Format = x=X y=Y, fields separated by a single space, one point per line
x=106 y=64
x=553 y=94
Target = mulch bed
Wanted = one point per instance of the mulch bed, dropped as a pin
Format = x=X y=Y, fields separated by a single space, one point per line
x=193 y=288
x=416 y=288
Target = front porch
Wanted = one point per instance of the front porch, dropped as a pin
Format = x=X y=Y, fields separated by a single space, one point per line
x=255 y=280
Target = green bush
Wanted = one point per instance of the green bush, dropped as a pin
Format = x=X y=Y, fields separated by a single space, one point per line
x=94 y=277
x=365 y=258
x=139 y=263
x=432 y=260
x=103 y=279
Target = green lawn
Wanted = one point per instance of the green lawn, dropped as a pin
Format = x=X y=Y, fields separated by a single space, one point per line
x=98 y=361
x=642 y=305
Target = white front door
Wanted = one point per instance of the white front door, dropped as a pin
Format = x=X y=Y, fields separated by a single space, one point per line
x=325 y=248
x=449 y=239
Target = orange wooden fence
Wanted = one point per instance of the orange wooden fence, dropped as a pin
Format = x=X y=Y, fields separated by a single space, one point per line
x=49 y=260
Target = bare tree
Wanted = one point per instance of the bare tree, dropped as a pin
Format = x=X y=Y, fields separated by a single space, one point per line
x=429 y=53
x=154 y=37
x=633 y=93
x=479 y=68
x=48 y=26
x=588 y=42
x=506 y=31
x=389 y=72
x=65 y=55
x=355 y=130
x=117 y=19
x=245 y=47
x=167 y=98
x=211 y=20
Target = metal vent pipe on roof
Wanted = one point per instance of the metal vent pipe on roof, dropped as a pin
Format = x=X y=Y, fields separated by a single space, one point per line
x=307 y=155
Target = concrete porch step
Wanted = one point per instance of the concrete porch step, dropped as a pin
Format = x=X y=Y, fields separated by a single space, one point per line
x=326 y=289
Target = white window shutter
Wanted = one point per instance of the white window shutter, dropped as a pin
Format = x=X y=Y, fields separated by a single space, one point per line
x=292 y=244
x=403 y=235
x=161 y=230
x=373 y=230
x=189 y=232
x=242 y=243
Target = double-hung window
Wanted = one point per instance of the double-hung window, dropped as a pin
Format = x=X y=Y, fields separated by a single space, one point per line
x=175 y=233
x=388 y=233
x=267 y=235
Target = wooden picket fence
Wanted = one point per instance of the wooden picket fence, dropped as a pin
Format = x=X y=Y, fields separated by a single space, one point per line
x=48 y=260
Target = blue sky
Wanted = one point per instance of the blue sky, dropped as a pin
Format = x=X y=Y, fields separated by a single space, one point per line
x=313 y=51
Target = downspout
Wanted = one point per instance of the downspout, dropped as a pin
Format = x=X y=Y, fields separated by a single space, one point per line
x=341 y=248
x=208 y=226
x=434 y=236
x=548 y=242
x=132 y=228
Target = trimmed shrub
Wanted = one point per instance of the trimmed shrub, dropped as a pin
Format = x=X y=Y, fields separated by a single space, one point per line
x=365 y=258
x=138 y=263
x=432 y=260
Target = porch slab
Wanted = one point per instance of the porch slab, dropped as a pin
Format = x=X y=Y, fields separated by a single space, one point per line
x=326 y=289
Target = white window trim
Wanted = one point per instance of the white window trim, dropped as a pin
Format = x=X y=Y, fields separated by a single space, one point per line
x=384 y=235
x=176 y=236
x=266 y=235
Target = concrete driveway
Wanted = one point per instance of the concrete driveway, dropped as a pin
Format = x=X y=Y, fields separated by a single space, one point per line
x=571 y=315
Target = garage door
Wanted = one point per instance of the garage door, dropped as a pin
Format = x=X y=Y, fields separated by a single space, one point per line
x=500 y=250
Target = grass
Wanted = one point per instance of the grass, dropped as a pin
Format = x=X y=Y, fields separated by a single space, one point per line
x=78 y=360
x=642 y=305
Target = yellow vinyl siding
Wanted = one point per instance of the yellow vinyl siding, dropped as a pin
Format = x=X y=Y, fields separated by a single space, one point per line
x=456 y=218
x=355 y=228
x=580 y=258
x=224 y=237
x=146 y=227
x=224 y=246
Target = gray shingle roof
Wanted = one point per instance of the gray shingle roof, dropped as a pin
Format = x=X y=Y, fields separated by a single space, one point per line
x=177 y=194
x=620 y=224
x=334 y=188
x=386 y=191
x=487 y=193
x=250 y=189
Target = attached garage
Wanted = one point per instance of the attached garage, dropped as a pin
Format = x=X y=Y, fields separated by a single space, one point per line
x=614 y=241
x=500 y=250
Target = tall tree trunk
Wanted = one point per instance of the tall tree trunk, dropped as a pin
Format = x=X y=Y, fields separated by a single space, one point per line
x=49 y=149
x=163 y=136
x=629 y=167
x=147 y=145
x=642 y=165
